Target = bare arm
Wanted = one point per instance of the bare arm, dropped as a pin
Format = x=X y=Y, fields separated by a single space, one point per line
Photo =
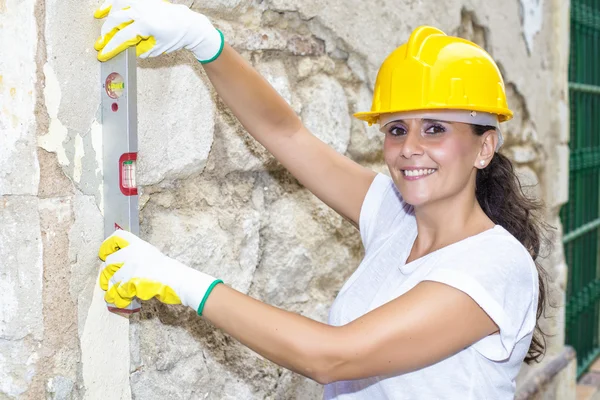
x=427 y=324
x=335 y=179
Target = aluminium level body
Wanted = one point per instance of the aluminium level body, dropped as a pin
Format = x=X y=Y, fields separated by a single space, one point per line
x=120 y=147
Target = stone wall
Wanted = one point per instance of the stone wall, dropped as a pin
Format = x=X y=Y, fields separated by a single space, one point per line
x=213 y=198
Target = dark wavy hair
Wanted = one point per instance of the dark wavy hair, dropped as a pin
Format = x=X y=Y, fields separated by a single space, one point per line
x=500 y=195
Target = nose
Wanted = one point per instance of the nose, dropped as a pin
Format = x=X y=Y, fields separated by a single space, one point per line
x=412 y=144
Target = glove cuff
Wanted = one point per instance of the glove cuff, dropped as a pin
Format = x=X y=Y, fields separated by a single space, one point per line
x=206 y=294
x=210 y=48
x=195 y=288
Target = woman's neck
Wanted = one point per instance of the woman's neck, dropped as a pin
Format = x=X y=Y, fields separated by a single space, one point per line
x=448 y=221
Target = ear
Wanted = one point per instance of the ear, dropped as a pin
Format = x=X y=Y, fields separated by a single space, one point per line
x=488 y=148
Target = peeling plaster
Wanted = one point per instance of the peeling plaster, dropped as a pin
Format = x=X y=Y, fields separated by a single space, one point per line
x=531 y=20
x=57 y=134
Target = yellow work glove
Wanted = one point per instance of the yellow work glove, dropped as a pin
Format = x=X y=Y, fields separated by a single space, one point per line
x=135 y=268
x=155 y=27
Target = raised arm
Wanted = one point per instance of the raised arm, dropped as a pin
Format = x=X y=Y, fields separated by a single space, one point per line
x=156 y=27
x=335 y=179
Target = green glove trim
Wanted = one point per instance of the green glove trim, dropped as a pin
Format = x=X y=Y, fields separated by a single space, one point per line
x=218 y=52
x=210 y=288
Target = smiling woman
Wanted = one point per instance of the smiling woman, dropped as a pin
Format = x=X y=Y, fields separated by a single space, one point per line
x=448 y=290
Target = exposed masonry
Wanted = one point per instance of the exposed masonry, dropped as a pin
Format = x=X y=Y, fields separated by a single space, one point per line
x=216 y=200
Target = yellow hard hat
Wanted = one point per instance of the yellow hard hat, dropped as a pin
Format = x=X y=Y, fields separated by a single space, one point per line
x=433 y=71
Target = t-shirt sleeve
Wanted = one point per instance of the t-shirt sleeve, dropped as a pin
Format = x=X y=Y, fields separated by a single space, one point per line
x=500 y=276
x=381 y=207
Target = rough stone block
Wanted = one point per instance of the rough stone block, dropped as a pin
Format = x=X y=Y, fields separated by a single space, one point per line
x=521 y=154
x=183 y=357
x=325 y=111
x=235 y=150
x=312 y=66
x=298 y=269
x=221 y=240
x=366 y=141
x=175 y=118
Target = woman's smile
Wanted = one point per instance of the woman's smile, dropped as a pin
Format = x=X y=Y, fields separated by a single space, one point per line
x=412 y=173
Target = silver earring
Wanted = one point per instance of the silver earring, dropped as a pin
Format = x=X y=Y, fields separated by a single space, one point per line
x=482 y=163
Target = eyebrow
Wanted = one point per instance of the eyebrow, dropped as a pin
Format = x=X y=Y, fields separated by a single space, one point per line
x=429 y=120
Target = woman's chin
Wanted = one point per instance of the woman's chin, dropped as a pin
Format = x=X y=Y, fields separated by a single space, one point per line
x=415 y=200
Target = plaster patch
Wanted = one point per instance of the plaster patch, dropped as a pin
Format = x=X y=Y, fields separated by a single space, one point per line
x=8 y=385
x=531 y=20
x=21 y=270
x=57 y=134
x=105 y=352
x=563 y=117
x=23 y=369
x=96 y=132
x=10 y=302
x=52 y=91
x=60 y=387
x=79 y=154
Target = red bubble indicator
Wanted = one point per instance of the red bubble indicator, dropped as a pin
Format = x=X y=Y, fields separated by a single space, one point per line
x=127 y=174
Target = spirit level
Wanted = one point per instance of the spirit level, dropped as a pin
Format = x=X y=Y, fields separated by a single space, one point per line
x=120 y=146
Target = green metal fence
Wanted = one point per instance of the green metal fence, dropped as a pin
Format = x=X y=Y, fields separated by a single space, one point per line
x=580 y=216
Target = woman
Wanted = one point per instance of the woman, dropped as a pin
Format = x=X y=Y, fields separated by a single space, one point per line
x=447 y=297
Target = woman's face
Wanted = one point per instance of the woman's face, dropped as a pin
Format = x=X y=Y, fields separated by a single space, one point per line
x=430 y=160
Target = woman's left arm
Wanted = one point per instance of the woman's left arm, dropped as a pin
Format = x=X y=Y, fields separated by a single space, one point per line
x=425 y=325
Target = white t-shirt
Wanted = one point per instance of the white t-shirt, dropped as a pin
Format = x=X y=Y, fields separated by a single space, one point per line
x=492 y=267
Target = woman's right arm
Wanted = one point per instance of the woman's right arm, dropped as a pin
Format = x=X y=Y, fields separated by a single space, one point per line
x=335 y=179
x=156 y=27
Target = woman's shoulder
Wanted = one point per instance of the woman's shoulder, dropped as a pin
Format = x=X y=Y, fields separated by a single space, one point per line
x=495 y=253
x=499 y=242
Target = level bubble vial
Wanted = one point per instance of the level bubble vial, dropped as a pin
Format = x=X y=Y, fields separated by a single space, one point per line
x=114 y=85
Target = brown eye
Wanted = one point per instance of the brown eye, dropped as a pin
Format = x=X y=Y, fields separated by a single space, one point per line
x=397 y=131
x=435 y=129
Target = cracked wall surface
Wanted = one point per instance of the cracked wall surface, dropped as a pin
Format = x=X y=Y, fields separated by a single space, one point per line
x=212 y=197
